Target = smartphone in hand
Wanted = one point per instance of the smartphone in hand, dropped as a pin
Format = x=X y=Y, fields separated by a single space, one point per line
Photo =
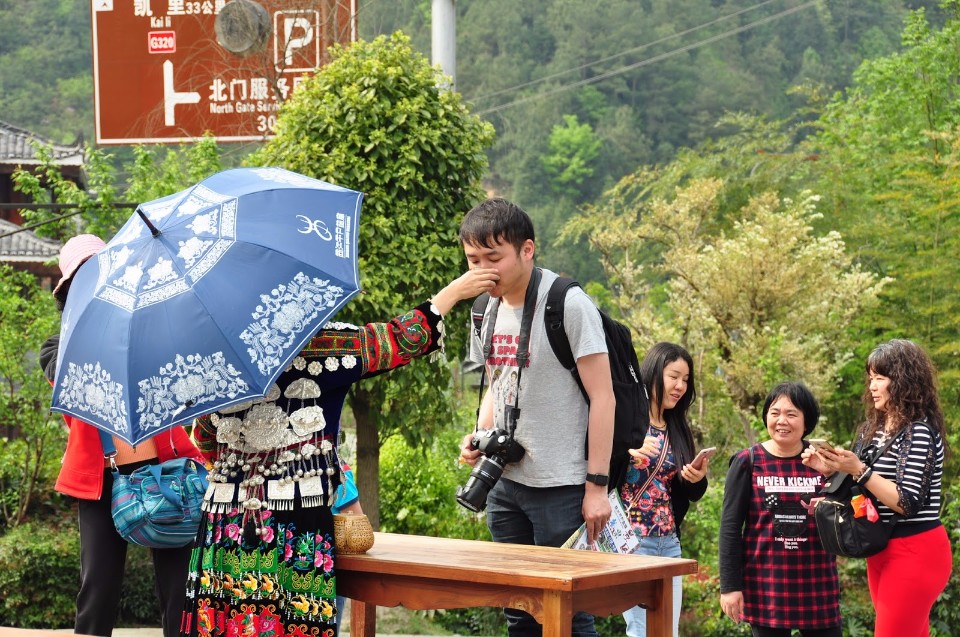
x=703 y=455
x=820 y=443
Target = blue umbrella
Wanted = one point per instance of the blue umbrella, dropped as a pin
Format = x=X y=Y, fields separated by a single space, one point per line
x=203 y=298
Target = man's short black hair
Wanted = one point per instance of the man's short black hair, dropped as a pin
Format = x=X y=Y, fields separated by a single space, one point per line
x=494 y=221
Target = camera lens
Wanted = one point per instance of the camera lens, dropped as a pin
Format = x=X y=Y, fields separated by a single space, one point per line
x=473 y=494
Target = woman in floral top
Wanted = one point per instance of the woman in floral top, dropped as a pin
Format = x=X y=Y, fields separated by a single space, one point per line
x=662 y=481
x=264 y=564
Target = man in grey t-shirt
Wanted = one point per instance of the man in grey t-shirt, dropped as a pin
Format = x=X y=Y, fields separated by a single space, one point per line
x=546 y=495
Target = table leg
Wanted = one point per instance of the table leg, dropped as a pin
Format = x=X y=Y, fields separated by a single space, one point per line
x=660 y=617
x=363 y=619
x=557 y=614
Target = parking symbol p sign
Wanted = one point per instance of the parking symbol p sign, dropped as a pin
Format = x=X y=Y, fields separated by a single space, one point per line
x=296 y=41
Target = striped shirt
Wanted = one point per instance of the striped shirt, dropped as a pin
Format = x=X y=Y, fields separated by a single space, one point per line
x=915 y=462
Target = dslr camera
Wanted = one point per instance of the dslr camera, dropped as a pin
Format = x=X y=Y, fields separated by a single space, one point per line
x=498 y=448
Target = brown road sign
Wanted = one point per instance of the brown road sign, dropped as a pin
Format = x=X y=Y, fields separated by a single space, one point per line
x=168 y=71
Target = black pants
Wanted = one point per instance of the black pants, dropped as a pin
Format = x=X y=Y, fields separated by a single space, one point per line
x=103 y=554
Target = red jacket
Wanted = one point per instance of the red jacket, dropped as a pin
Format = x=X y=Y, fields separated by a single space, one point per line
x=81 y=473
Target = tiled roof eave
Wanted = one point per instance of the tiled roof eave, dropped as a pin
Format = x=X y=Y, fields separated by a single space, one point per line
x=16 y=147
x=31 y=258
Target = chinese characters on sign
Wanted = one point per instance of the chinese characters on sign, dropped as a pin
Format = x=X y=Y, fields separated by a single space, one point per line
x=169 y=71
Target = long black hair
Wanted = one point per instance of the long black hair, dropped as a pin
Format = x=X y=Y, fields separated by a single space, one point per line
x=651 y=375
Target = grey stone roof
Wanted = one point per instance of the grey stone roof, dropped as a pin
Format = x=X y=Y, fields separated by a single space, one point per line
x=25 y=246
x=15 y=148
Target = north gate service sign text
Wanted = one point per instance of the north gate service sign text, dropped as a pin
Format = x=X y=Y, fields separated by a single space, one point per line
x=168 y=71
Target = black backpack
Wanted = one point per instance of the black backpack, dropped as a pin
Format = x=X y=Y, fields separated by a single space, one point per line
x=624 y=369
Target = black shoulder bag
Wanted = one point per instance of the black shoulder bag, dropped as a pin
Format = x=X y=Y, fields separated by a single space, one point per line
x=841 y=532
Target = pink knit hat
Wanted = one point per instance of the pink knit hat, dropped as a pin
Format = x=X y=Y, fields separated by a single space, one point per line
x=74 y=252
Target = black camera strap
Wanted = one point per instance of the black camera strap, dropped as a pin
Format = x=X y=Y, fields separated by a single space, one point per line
x=523 y=345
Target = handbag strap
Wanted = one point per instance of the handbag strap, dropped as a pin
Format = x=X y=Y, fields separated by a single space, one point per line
x=653 y=473
x=176 y=498
x=883 y=449
x=109 y=449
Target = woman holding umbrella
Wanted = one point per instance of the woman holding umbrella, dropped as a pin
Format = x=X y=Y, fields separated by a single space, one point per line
x=264 y=559
x=86 y=476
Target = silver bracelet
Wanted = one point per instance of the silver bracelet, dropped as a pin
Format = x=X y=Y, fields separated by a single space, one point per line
x=862 y=479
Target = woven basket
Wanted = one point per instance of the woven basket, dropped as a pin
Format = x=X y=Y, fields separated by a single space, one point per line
x=352 y=533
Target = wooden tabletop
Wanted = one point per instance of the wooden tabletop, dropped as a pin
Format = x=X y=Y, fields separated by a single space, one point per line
x=508 y=564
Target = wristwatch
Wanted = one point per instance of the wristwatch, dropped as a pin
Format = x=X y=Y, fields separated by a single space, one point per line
x=599 y=479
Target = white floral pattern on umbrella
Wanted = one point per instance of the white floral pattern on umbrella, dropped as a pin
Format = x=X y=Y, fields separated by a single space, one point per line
x=203 y=298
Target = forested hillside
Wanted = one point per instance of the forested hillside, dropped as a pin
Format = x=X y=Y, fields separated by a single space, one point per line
x=46 y=77
x=581 y=93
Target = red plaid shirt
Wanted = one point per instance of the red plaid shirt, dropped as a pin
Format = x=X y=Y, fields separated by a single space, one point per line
x=769 y=543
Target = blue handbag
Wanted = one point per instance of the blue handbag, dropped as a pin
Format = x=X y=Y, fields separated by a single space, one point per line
x=158 y=505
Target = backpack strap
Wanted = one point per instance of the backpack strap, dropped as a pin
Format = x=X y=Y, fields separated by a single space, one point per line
x=476 y=314
x=479 y=308
x=556 y=334
x=661 y=458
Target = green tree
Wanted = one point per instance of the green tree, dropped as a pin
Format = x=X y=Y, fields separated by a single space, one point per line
x=888 y=169
x=157 y=173
x=30 y=436
x=152 y=174
x=46 y=184
x=376 y=120
x=573 y=149
x=765 y=300
x=46 y=84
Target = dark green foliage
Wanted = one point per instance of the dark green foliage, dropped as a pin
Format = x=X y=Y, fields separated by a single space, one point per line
x=46 y=83
x=701 y=615
x=473 y=621
x=31 y=439
x=610 y=626
x=417 y=489
x=40 y=574
x=39 y=570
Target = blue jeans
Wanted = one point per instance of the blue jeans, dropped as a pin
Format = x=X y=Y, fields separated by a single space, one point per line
x=636 y=617
x=517 y=514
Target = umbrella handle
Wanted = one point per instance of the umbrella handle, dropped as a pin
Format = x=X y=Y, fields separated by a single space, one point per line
x=153 y=228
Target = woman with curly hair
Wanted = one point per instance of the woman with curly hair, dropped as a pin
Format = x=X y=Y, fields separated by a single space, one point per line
x=901 y=403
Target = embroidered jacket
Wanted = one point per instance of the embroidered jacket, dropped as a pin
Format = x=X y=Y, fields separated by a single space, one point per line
x=269 y=452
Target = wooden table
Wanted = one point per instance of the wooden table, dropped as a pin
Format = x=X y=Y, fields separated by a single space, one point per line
x=423 y=573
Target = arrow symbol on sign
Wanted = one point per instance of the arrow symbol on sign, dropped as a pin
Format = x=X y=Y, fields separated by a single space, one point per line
x=171 y=97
